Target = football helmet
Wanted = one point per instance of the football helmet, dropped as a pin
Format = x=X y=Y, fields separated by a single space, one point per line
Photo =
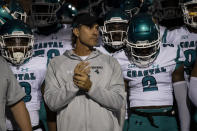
x=66 y=13
x=4 y=13
x=189 y=9
x=17 y=11
x=166 y=9
x=115 y=28
x=131 y=7
x=146 y=5
x=43 y=12
x=94 y=7
x=142 y=43
x=16 y=41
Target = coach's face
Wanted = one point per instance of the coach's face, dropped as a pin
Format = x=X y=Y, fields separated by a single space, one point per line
x=88 y=34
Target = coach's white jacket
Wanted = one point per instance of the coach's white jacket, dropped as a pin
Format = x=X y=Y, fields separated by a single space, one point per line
x=95 y=110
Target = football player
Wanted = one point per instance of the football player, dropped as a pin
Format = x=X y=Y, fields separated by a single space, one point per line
x=153 y=71
x=187 y=35
x=16 y=42
x=52 y=38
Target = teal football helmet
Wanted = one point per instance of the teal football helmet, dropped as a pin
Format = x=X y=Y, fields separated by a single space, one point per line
x=115 y=28
x=17 y=11
x=94 y=7
x=66 y=13
x=146 y=5
x=142 y=43
x=4 y=13
x=189 y=8
x=43 y=12
x=16 y=41
x=131 y=7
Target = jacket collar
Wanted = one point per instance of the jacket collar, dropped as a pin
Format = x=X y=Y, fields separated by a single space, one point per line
x=72 y=55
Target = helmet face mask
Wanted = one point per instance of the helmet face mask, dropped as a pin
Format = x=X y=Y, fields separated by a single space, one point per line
x=144 y=53
x=16 y=46
x=44 y=13
x=115 y=33
x=142 y=43
x=190 y=13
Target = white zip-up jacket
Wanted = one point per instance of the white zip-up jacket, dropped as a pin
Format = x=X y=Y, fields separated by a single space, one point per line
x=95 y=110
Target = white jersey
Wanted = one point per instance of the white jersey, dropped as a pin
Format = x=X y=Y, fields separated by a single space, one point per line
x=152 y=86
x=54 y=44
x=188 y=42
x=30 y=76
x=162 y=31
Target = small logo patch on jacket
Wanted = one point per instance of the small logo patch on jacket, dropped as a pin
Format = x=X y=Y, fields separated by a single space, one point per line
x=97 y=69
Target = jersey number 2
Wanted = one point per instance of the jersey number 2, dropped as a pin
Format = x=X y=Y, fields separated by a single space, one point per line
x=149 y=84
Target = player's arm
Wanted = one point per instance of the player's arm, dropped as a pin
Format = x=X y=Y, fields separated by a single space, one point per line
x=51 y=116
x=21 y=116
x=180 y=92
x=126 y=85
x=193 y=87
x=51 y=119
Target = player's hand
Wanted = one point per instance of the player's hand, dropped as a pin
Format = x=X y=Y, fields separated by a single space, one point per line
x=81 y=76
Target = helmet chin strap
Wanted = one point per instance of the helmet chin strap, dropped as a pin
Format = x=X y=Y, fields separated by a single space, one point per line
x=18 y=56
